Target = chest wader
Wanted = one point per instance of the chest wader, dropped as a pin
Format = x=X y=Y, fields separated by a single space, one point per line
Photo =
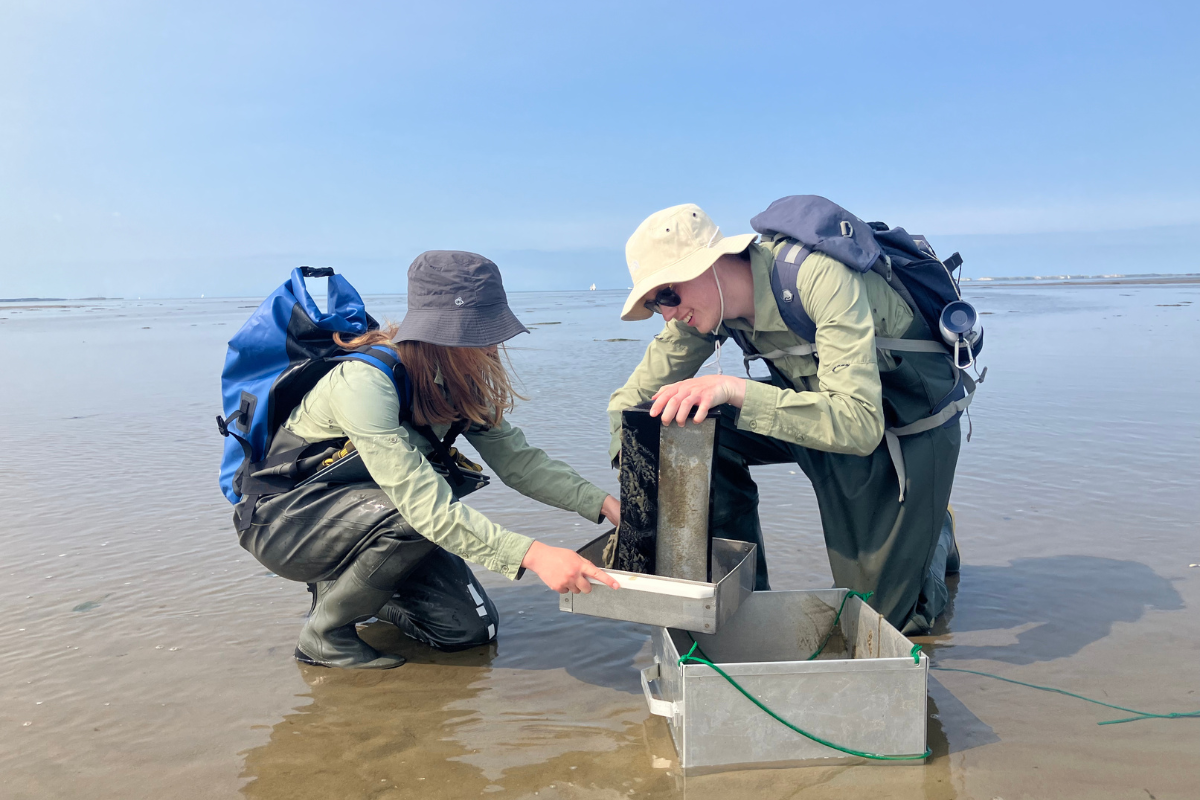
x=344 y=537
x=361 y=559
x=882 y=514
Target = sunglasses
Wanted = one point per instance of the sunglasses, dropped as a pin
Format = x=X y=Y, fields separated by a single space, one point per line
x=664 y=297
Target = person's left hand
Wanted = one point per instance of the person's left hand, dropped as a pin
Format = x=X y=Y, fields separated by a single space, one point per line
x=676 y=400
x=611 y=510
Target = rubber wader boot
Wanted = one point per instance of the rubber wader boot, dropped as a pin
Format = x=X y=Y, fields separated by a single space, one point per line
x=323 y=586
x=329 y=638
x=953 y=559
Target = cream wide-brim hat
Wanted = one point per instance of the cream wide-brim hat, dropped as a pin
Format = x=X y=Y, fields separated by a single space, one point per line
x=672 y=246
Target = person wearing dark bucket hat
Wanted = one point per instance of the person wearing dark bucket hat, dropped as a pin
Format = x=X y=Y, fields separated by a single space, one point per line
x=457 y=299
x=391 y=543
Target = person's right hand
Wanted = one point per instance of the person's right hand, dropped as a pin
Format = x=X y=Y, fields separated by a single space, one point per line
x=564 y=570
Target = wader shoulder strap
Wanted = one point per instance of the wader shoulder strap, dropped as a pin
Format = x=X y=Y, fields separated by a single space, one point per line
x=441 y=447
x=948 y=409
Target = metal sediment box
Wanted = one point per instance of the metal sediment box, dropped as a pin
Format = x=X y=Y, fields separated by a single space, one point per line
x=864 y=692
x=671 y=571
x=672 y=602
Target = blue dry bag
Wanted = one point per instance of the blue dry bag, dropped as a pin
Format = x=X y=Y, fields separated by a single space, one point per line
x=274 y=359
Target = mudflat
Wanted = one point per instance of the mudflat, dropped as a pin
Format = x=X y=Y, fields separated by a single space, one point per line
x=148 y=656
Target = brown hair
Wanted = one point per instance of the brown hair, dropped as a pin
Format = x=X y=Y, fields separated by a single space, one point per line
x=477 y=388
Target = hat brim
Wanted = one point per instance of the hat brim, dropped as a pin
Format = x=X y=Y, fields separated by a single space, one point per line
x=481 y=326
x=684 y=269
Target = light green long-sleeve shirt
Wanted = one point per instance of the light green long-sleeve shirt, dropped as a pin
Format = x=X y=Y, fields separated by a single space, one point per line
x=839 y=408
x=358 y=401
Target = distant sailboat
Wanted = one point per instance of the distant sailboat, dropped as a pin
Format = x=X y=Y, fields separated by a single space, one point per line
x=592 y=288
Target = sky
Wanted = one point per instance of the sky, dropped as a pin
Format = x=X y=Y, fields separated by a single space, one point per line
x=171 y=149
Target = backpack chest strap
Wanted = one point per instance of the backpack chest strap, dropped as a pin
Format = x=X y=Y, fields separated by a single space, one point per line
x=881 y=343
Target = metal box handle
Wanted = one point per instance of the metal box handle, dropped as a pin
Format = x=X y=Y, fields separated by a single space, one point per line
x=661 y=708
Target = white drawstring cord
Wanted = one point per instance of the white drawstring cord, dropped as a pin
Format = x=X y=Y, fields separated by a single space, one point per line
x=714 y=236
x=717 y=358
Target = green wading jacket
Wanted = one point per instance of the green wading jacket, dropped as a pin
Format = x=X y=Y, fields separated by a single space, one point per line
x=359 y=402
x=841 y=411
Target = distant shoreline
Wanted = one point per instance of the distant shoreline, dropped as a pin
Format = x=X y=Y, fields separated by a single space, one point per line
x=53 y=299
x=1089 y=280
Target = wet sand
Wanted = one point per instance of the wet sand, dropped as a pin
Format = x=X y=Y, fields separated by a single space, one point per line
x=148 y=656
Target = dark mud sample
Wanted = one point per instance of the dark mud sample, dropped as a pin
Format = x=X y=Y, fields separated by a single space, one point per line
x=639 y=491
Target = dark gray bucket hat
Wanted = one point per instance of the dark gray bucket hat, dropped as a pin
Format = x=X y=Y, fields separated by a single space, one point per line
x=456 y=299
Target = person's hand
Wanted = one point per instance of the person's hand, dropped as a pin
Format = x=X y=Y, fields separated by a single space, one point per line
x=676 y=400
x=564 y=570
x=611 y=509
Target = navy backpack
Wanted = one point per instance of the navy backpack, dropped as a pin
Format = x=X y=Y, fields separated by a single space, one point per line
x=807 y=223
x=906 y=262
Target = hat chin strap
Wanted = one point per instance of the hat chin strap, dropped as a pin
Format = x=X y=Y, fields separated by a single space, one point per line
x=717 y=358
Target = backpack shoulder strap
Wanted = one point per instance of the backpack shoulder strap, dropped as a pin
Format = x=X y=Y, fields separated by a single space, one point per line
x=385 y=360
x=784 y=272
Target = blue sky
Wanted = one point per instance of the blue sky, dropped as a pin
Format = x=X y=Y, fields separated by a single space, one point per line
x=175 y=149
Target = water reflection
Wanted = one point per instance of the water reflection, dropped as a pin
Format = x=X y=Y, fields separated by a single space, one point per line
x=371 y=734
x=598 y=652
x=450 y=726
x=1039 y=609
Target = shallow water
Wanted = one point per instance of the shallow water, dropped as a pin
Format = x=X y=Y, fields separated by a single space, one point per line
x=148 y=656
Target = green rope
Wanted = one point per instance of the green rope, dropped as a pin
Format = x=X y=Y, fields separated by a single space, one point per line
x=864 y=596
x=1140 y=714
x=875 y=756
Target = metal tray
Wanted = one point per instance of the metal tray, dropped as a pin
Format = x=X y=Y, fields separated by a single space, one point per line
x=863 y=692
x=670 y=602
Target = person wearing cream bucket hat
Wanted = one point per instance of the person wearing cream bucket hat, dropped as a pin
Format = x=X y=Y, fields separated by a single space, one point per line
x=673 y=246
x=825 y=415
